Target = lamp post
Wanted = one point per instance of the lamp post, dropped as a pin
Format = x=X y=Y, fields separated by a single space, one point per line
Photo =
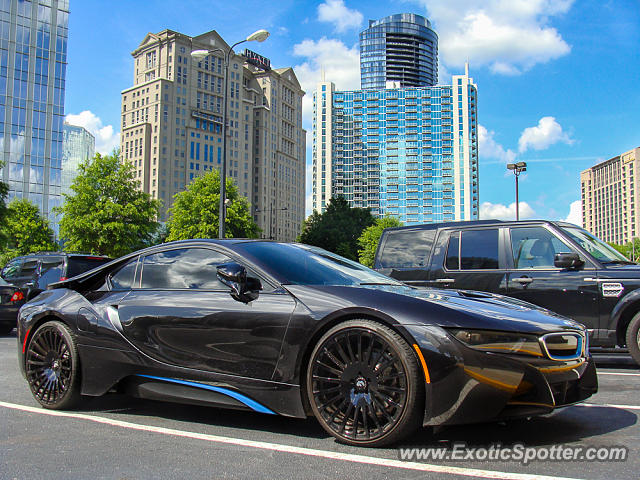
x=271 y=210
x=259 y=36
x=517 y=168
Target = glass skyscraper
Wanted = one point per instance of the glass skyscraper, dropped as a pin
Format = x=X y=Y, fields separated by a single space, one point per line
x=78 y=146
x=398 y=51
x=409 y=151
x=33 y=60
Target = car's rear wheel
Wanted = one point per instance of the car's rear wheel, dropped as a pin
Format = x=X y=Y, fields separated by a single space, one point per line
x=53 y=366
x=633 y=338
x=365 y=385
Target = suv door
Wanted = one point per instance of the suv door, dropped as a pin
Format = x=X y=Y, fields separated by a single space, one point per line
x=471 y=259
x=181 y=314
x=50 y=271
x=534 y=277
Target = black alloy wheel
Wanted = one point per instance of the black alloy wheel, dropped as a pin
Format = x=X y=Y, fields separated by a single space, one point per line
x=633 y=338
x=52 y=366
x=364 y=384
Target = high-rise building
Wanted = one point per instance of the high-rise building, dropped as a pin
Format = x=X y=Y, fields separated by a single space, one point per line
x=398 y=51
x=611 y=198
x=410 y=152
x=172 y=124
x=33 y=61
x=78 y=146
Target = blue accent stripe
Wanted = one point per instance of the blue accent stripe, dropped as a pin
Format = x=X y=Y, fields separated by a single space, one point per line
x=252 y=404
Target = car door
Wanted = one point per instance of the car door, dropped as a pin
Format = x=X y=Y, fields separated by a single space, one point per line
x=404 y=255
x=470 y=259
x=534 y=278
x=180 y=313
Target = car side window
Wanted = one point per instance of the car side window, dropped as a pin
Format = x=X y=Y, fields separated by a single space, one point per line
x=535 y=247
x=123 y=278
x=12 y=269
x=407 y=248
x=50 y=271
x=184 y=268
x=29 y=268
x=473 y=250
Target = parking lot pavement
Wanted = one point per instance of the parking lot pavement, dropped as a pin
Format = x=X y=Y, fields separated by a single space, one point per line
x=121 y=437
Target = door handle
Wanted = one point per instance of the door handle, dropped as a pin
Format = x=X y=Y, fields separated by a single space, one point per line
x=523 y=280
x=445 y=280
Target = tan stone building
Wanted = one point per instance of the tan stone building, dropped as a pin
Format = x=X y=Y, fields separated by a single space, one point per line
x=610 y=195
x=172 y=123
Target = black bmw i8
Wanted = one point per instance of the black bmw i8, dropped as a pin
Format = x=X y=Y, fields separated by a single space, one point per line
x=289 y=329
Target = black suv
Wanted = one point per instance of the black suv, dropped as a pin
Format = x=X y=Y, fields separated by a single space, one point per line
x=32 y=273
x=555 y=265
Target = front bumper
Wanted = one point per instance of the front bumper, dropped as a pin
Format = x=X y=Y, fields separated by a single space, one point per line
x=469 y=386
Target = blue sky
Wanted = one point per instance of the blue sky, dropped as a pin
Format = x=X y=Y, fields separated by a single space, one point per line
x=557 y=79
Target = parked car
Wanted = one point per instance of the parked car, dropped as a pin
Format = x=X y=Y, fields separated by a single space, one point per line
x=32 y=273
x=11 y=299
x=294 y=330
x=555 y=265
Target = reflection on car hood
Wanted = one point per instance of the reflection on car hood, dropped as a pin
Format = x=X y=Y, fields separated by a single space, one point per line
x=446 y=308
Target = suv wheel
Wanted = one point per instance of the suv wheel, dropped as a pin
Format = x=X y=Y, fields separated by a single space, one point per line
x=633 y=337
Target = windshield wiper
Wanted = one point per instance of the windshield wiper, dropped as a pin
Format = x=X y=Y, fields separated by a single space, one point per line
x=619 y=262
x=382 y=283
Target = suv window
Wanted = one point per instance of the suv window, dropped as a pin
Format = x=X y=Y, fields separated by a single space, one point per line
x=473 y=250
x=12 y=269
x=407 y=248
x=184 y=268
x=77 y=265
x=535 y=247
x=29 y=268
x=50 y=270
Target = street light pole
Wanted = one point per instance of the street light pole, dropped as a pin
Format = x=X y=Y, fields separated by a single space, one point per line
x=271 y=210
x=517 y=168
x=259 y=36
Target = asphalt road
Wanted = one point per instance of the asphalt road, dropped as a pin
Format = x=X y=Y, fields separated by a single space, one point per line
x=117 y=437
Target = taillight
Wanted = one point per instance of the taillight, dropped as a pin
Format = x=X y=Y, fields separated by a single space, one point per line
x=17 y=296
x=62 y=279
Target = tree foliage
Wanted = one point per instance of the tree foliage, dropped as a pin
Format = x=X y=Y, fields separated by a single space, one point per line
x=107 y=214
x=338 y=228
x=27 y=231
x=370 y=238
x=631 y=250
x=195 y=211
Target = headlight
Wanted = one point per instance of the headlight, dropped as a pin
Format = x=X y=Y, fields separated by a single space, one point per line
x=499 y=342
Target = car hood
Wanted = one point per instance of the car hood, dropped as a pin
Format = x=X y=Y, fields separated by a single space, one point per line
x=445 y=308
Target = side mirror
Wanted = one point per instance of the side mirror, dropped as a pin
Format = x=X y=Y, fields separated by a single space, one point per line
x=568 y=260
x=243 y=289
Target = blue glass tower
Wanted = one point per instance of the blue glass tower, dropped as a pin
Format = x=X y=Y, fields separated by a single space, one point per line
x=33 y=61
x=398 y=51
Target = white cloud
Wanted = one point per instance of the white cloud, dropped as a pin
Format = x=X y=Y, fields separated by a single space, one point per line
x=542 y=136
x=575 y=213
x=508 y=36
x=340 y=64
x=498 y=211
x=336 y=12
x=106 y=138
x=489 y=148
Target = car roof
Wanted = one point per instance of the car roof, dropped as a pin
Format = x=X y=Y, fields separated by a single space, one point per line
x=478 y=223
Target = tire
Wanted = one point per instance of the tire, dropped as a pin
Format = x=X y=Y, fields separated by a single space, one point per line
x=53 y=366
x=364 y=384
x=633 y=338
x=6 y=329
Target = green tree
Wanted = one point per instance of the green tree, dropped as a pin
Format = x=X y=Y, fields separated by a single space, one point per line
x=370 y=238
x=27 y=231
x=4 y=192
x=194 y=213
x=338 y=228
x=107 y=214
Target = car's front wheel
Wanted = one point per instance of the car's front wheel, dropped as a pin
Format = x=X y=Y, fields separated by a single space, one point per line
x=53 y=366
x=633 y=338
x=365 y=385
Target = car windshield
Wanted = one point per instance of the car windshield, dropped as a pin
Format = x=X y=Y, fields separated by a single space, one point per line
x=594 y=246
x=306 y=265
